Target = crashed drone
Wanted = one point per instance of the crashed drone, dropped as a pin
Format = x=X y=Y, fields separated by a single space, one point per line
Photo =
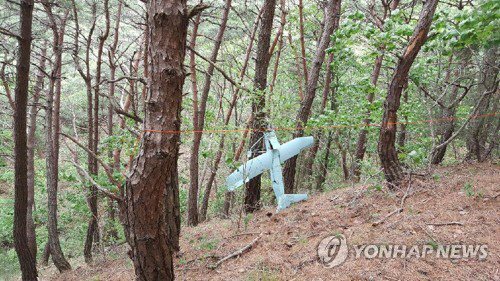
x=275 y=155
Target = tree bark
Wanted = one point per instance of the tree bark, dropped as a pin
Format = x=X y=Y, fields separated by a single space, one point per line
x=199 y=123
x=449 y=110
x=153 y=215
x=93 y=228
x=321 y=177
x=476 y=142
x=332 y=13
x=302 y=43
x=252 y=188
x=314 y=149
x=298 y=67
x=218 y=155
x=402 y=131
x=386 y=147
x=52 y=126
x=112 y=75
x=25 y=256
x=323 y=170
x=33 y=113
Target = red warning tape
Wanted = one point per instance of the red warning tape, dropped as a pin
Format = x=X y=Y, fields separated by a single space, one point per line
x=438 y=120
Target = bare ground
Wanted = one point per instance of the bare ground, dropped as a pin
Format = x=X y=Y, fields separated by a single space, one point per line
x=463 y=195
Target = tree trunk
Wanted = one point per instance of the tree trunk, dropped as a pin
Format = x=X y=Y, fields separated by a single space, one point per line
x=33 y=112
x=363 y=134
x=153 y=215
x=297 y=65
x=218 y=156
x=199 y=123
x=332 y=13
x=46 y=254
x=314 y=149
x=320 y=179
x=21 y=190
x=112 y=73
x=386 y=147
x=402 y=131
x=52 y=134
x=252 y=188
x=476 y=142
x=128 y=102
x=302 y=43
x=93 y=228
x=112 y=76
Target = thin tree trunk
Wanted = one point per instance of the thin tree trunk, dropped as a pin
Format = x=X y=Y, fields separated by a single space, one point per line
x=332 y=12
x=33 y=112
x=476 y=142
x=321 y=177
x=52 y=133
x=25 y=256
x=449 y=128
x=193 y=160
x=314 y=149
x=252 y=188
x=297 y=65
x=200 y=122
x=112 y=70
x=46 y=254
x=112 y=76
x=228 y=196
x=218 y=156
x=93 y=228
x=302 y=43
x=343 y=155
x=402 y=131
x=386 y=147
x=279 y=37
x=363 y=134
x=152 y=190
x=128 y=102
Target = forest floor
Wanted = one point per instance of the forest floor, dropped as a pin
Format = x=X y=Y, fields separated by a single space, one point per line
x=460 y=198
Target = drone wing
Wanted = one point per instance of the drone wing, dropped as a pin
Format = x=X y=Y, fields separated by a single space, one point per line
x=294 y=147
x=249 y=170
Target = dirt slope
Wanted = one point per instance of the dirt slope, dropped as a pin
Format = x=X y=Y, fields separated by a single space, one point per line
x=463 y=195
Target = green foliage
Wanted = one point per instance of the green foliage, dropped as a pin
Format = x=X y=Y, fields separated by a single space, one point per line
x=247 y=219
x=183 y=196
x=216 y=205
x=206 y=244
x=9 y=264
x=7 y=215
x=377 y=187
x=6 y=148
x=433 y=244
x=469 y=189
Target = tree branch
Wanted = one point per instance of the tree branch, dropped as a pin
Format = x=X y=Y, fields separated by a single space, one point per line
x=470 y=116
x=107 y=169
x=6 y=86
x=140 y=79
x=94 y=183
x=193 y=11
x=228 y=78
x=8 y=33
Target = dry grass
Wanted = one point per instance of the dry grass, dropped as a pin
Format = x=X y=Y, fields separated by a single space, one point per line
x=287 y=250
